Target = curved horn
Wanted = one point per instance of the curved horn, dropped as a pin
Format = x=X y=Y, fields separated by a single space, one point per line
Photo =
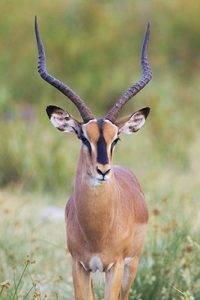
x=85 y=112
x=134 y=89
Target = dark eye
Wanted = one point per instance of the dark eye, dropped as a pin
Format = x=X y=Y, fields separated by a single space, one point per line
x=115 y=141
x=86 y=143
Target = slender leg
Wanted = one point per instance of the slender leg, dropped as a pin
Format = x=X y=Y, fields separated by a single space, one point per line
x=129 y=274
x=130 y=269
x=82 y=282
x=113 y=281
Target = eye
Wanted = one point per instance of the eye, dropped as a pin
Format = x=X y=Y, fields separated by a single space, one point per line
x=86 y=143
x=115 y=141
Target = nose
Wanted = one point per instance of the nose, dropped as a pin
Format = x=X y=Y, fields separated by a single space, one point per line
x=103 y=173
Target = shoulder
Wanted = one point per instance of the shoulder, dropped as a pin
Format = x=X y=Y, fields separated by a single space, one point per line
x=127 y=180
x=132 y=193
x=125 y=174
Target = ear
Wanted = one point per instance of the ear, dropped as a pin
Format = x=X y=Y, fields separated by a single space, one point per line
x=62 y=120
x=134 y=122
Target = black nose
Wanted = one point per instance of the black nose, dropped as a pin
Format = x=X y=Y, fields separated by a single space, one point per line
x=102 y=173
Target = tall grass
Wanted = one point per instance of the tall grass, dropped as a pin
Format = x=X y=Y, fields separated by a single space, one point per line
x=31 y=261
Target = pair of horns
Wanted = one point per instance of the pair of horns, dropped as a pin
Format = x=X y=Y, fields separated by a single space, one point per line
x=85 y=112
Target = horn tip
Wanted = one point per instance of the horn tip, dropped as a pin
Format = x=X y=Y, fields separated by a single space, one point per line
x=148 y=28
x=36 y=25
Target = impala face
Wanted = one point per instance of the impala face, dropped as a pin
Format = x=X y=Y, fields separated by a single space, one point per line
x=98 y=136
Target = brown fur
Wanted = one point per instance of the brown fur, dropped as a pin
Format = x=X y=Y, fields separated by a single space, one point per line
x=108 y=221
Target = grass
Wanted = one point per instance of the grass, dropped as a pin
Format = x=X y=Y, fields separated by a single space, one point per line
x=32 y=249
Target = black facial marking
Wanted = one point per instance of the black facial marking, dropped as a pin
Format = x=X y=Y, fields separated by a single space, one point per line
x=51 y=109
x=102 y=156
x=114 y=143
x=85 y=142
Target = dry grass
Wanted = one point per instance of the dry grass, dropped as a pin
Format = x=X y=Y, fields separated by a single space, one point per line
x=32 y=249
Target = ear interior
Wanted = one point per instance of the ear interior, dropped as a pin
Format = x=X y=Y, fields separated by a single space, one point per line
x=62 y=119
x=134 y=122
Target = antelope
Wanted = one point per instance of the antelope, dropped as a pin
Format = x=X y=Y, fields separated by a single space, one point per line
x=106 y=217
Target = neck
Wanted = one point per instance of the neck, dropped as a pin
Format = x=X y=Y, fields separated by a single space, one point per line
x=94 y=203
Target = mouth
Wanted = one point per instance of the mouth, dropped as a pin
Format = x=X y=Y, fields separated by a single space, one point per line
x=97 y=180
x=103 y=179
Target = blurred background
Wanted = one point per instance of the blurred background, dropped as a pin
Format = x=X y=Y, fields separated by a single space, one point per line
x=94 y=46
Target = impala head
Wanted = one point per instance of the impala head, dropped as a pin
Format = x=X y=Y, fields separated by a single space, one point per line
x=98 y=136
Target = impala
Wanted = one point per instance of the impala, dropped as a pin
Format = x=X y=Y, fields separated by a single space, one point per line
x=106 y=216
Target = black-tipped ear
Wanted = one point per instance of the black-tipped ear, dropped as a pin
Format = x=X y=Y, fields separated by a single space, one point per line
x=51 y=109
x=134 y=122
x=145 y=111
x=62 y=120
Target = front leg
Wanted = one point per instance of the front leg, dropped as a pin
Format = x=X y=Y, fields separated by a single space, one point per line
x=113 y=281
x=129 y=274
x=82 y=282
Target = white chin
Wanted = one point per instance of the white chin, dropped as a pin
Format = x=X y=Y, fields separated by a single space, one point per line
x=98 y=181
x=94 y=182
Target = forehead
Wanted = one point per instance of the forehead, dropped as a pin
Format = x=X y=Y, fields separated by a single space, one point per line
x=94 y=129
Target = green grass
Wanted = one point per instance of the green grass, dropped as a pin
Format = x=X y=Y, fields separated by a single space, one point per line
x=32 y=248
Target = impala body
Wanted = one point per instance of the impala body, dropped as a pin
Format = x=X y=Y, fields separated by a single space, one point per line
x=107 y=215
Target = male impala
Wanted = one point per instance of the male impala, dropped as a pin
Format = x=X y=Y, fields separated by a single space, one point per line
x=107 y=215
